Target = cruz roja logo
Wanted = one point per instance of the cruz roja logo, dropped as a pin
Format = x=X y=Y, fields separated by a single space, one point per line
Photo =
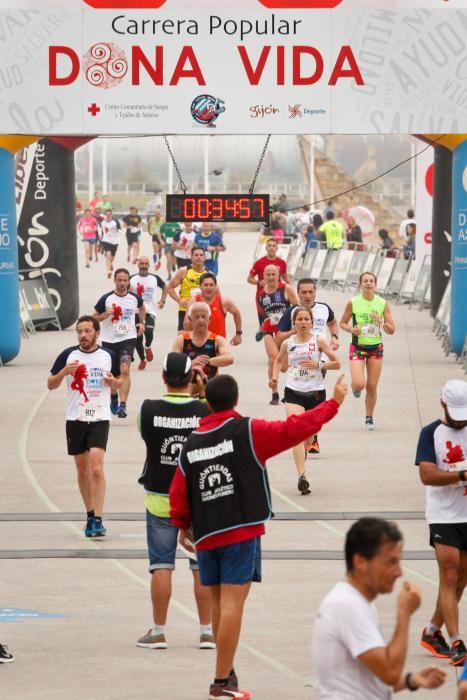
x=205 y=109
x=295 y=111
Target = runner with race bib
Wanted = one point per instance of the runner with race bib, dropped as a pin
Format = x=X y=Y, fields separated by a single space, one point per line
x=91 y=373
x=307 y=354
x=117 y=311
x=274 y=299
x=365 y=317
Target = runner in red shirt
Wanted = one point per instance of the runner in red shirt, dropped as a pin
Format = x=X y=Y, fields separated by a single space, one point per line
x=256 y=274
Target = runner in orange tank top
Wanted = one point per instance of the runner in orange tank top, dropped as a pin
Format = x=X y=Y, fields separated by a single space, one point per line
x=220 y=306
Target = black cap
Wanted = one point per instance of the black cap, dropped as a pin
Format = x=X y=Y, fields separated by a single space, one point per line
x=177 y=364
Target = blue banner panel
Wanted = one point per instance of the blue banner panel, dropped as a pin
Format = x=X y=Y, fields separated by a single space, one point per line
x=459 y=248
x=10 y=332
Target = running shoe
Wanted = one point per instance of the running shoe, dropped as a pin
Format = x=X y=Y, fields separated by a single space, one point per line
x=99 y=529
x=258 y=337
x=233 y=680
x=149 y=354
x=5 y=656
x=357 y=394
x=227 y=692
x=458 y=653
x=369 y=423
x=142 y=364
x=122 y=412
x=435 y=644
x=207 y=641
x=274 y=400
x=314 y=447
x=114 y=405
x=152 y=641
x=89 y=530
x=303 y=485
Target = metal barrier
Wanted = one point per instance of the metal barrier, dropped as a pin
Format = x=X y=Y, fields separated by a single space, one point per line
x=399 y=271
x=421 y=293
x=296 y=252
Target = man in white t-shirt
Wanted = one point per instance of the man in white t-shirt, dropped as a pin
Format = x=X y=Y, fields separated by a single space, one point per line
x=110 y=232
x=117 y=312
x=145 y=284
x=442 y=460
x=351 y=659
x=404 y=223
x=91 y=373
x=182 y=244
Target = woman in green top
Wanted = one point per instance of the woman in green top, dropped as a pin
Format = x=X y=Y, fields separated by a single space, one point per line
x=365 y=317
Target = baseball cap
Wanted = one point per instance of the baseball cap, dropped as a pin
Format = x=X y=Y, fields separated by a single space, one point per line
x=177 y=364
x=454 y=395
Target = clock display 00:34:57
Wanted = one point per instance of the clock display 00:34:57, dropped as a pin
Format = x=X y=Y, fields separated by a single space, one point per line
x=218 y=207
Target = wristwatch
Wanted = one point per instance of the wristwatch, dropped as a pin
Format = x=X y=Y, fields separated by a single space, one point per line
x=335 y=336
x=462 y=473
x=238 y=332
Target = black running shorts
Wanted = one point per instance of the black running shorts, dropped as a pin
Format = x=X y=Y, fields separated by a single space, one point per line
x=132 y=237
x=307 y=400
x=124 y=349
x=81 y=436
x=450 y=534
x=110 y=248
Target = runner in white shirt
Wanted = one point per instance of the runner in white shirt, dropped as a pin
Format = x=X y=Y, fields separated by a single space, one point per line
x=110 y=231
x=442 y=460
x=146 y=284
x=323 y=321
x=91 y=373
x=307 y=354
x=117 y=311
x=350 y=657
x=182 y=244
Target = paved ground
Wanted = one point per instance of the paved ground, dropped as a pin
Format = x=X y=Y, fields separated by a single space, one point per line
x=91 y=611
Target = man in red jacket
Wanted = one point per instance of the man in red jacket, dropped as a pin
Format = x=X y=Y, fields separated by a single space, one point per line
x=220 y=500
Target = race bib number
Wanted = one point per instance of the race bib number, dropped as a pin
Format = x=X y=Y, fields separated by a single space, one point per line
x=303 y=374
x=134 y=229
x=371 y=331
x=458 y=467
x=121 y=328
x=194 y=291
x=90 y=411
x=274 y=319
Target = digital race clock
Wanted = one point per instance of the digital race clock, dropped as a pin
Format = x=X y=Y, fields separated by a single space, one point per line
x=238 y=208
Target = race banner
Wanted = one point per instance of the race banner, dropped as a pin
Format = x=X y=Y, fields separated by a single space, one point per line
x=258 y=68
x=45 y=196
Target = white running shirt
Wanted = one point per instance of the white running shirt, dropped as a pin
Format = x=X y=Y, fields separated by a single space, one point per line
x=346 y=626
x=447 y=448
x=145 y=286
x=88 y=399
x=120 y=325
x=110 y=231
x=300 y=378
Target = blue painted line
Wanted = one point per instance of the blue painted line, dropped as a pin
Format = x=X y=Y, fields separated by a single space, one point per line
x=22 y=614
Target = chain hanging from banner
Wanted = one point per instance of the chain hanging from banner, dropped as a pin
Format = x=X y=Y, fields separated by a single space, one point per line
x=258 y=167
x=180 y=179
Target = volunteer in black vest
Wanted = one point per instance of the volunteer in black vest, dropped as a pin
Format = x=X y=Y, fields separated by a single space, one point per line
x=221 y=490
x=165 y=425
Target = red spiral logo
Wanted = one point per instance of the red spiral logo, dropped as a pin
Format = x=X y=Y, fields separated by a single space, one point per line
x=105 y=65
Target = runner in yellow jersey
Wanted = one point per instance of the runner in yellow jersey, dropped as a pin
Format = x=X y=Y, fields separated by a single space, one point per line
x=188 y=279
x=365 y=317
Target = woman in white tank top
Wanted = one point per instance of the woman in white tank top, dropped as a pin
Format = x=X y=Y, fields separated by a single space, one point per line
x=307 y=356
